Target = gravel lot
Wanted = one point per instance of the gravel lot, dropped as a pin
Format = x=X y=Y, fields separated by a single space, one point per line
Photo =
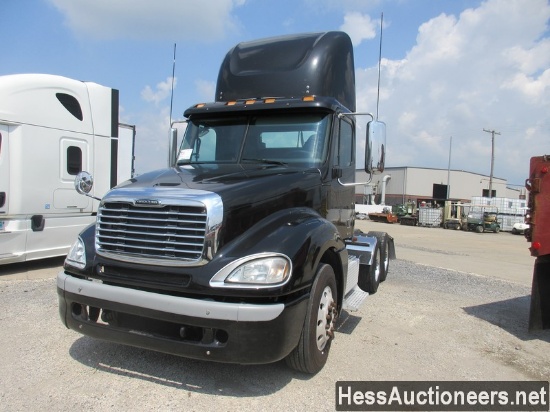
x=425 y=323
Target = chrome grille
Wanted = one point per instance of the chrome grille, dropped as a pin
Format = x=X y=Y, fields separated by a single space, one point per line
x=168 y=232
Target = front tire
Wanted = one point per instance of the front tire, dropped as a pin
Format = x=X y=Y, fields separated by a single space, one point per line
x=311 y=353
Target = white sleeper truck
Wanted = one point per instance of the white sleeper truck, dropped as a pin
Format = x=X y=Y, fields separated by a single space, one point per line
x=52 y=128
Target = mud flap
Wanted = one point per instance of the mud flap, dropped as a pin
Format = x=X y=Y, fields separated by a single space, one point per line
x=539 y=313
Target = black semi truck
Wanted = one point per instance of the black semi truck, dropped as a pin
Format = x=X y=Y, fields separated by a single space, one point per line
x=243 y=250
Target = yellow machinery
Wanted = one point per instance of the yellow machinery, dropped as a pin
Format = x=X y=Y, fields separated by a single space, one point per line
x=455 y=215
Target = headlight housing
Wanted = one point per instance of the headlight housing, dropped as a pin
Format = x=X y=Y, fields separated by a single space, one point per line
x=255 y=271
x=77 y=255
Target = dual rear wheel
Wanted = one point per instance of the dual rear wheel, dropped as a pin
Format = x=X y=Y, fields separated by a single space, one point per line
x=380 y=264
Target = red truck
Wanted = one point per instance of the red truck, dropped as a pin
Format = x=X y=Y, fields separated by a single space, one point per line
x=538 y=218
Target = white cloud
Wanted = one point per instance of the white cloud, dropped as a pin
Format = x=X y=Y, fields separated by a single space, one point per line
x=359 y=27
x=535 y=90
x=144 y=19
x=161 y=92
x=529 y=60
x=486 y=68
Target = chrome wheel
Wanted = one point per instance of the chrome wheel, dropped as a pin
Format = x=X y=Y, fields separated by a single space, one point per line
x=326 y=318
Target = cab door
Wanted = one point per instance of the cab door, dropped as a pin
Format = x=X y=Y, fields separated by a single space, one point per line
x=341 y=199
x=73 y=159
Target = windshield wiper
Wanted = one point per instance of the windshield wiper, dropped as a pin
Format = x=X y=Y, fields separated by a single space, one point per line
x=267 y=161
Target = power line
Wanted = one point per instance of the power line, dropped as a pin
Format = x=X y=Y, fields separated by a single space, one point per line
x=492 y=159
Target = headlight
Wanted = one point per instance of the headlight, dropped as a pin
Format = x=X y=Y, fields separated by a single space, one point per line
x=77 y=255
x=271 y=270
x=254 y=271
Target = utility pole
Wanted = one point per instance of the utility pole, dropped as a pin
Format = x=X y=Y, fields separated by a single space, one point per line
x=449 y=170
x=493 y=133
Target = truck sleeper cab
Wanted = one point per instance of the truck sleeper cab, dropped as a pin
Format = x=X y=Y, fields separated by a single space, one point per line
x=60 y=126
x=243 y=250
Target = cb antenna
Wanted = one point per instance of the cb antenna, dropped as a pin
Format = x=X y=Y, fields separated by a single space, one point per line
x=379 y=64
x=172 y=91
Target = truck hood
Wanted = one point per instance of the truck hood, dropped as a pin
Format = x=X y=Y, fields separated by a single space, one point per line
x=248 y=192
x=231 y=178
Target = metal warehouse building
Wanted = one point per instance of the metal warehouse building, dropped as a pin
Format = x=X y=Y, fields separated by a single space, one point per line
x=399 y=185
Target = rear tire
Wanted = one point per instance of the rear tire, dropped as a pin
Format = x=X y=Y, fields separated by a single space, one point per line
x=311 y=353
x=384 y=257
x=370 y=280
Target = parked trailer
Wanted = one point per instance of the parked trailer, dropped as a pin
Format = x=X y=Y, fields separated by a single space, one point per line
x=51 y=128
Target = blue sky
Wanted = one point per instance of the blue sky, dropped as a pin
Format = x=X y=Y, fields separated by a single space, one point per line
x=449 y=67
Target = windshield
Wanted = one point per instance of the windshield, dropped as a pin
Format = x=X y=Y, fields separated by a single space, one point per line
x=299 y=139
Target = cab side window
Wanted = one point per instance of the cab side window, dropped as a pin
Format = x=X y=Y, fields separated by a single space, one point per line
x=345 y=145
x=74 y=160
x=71 y=104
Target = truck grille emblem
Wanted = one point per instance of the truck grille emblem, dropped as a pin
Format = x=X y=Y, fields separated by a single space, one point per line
x=147 y=202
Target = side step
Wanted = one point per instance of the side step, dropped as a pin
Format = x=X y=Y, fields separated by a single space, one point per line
x=354 y=299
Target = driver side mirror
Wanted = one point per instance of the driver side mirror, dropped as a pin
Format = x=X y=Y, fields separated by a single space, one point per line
x=375 y=147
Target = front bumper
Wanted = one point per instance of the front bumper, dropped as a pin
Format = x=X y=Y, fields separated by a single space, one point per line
x=194 y=328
